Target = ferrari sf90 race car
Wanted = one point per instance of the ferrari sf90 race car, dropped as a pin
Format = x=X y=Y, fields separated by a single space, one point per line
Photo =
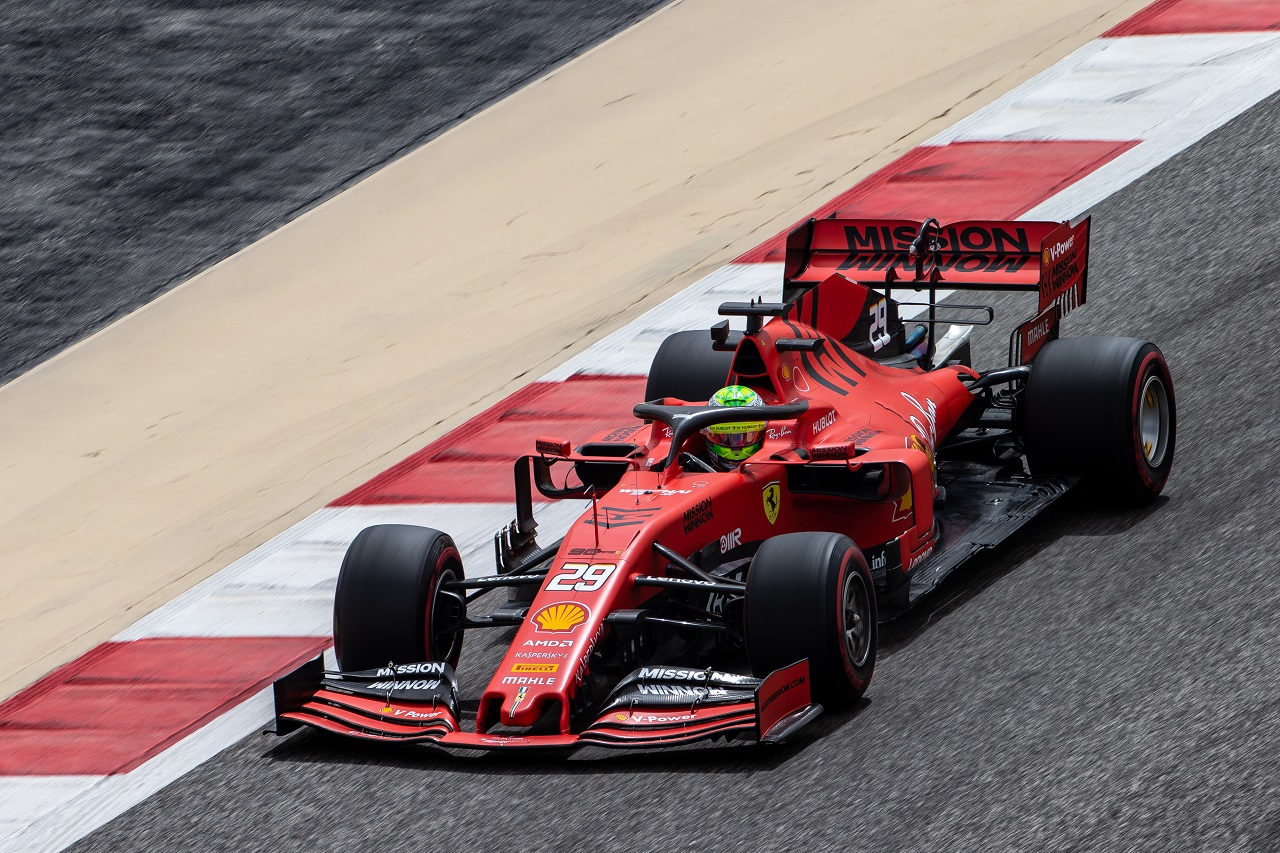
x=704 y=593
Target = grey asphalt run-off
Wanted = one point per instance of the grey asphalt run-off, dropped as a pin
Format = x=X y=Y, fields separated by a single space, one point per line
x=1104 y=682
x=142 y=141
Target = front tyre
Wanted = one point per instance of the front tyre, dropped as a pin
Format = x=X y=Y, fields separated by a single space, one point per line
x=389 y=604
x=810 y=595
x=1102 y=408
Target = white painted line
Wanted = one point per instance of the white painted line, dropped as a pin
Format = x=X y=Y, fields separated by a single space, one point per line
x=60 y=815
x=26 y=799
x=1134 y=88
x=1254 y=75
x=285 y=587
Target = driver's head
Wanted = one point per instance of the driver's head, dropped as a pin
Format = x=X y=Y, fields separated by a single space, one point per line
x=733 y=442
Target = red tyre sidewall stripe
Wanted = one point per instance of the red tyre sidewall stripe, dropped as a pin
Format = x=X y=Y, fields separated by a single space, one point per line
x=449 y=553
x=840 y=626
x=849 y=666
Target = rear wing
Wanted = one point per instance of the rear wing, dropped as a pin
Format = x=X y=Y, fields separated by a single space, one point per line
x=1051 y=258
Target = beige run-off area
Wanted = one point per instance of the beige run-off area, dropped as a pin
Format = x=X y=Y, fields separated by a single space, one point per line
x=159 y=450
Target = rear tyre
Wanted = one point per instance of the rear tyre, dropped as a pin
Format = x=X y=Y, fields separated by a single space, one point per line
x=686 y=367
x=1103 y=409
x=389 y=606
x=810 y=595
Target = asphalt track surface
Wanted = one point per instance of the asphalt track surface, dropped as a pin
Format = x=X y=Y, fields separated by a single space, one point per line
x=1104 y=682
x=144 y=140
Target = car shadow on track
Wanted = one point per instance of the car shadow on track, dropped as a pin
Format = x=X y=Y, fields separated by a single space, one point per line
x=1079 y=513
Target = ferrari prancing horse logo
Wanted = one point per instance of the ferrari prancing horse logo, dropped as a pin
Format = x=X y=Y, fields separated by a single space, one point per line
x=772 y=495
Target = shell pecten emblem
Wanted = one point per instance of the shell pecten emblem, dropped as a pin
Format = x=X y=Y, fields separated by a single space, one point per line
x=561 y=617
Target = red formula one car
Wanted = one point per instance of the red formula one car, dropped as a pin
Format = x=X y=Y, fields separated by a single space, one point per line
x=695 y=599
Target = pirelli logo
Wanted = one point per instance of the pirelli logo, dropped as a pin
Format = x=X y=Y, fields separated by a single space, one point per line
x=535 y=667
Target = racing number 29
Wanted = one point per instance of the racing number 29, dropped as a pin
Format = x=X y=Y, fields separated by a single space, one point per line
x=581 y=577
x=879 y=334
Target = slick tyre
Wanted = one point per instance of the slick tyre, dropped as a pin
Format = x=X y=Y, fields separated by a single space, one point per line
x=389 y=605
x=686 y=367
x=1103 y=409
x=810 y=595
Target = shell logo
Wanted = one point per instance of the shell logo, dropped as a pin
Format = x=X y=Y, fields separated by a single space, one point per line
x=562 y=617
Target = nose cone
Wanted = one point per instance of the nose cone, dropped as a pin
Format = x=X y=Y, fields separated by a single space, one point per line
x=591 y=577
x=548 y=654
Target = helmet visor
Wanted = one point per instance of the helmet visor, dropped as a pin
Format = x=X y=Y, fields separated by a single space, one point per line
x=736 y=435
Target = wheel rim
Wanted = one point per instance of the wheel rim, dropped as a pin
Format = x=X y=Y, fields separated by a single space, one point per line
x=441 y=615
x=1153 y=421
x=857 y=618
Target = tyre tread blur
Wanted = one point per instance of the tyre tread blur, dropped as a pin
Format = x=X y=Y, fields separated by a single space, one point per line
x=792 y=597
x=1077 y=417
x=379 y=607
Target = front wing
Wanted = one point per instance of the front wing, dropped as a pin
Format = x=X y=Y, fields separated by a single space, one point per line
x=674 y=705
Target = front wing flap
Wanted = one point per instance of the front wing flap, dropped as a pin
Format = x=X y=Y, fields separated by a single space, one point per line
x=408 y=702
x=656 y=706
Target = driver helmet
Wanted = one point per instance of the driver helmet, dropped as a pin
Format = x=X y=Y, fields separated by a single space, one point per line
x=733 y=442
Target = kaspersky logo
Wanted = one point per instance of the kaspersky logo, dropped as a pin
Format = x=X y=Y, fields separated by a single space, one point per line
x=560 y=618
